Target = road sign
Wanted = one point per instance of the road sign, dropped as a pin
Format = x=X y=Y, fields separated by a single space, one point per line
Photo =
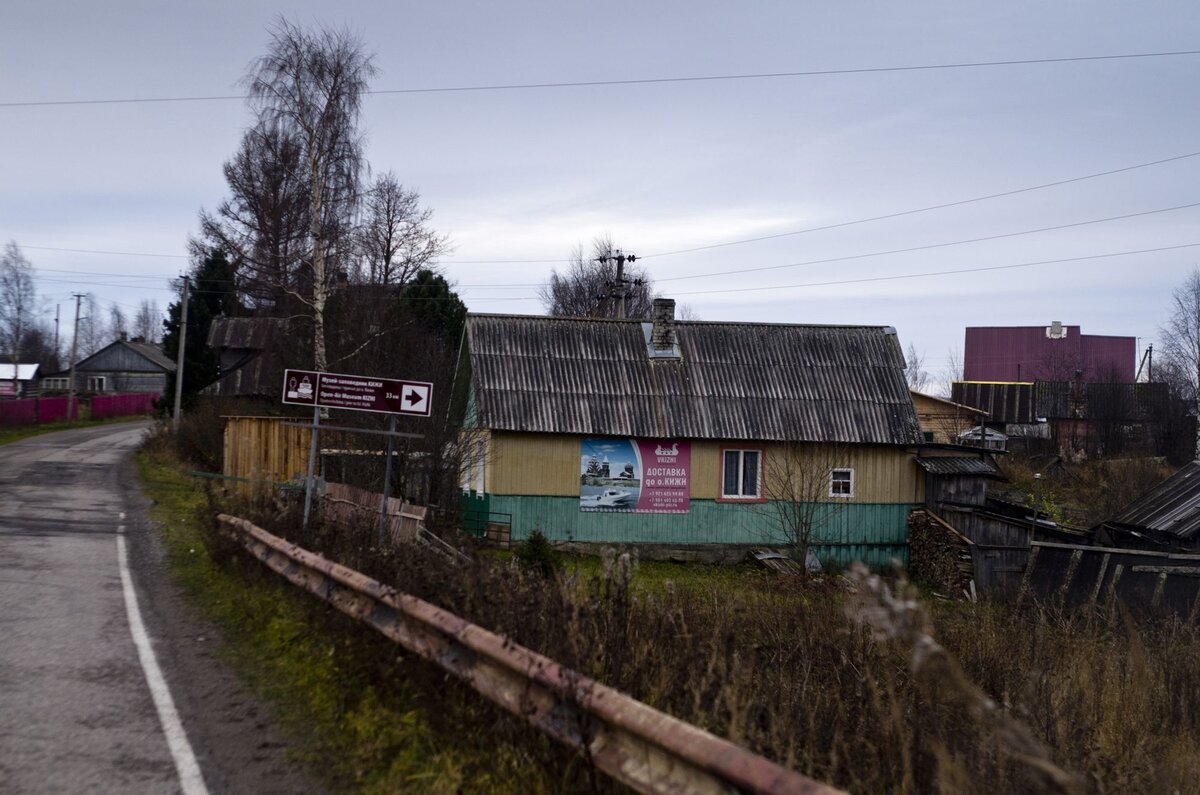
x=357 y=392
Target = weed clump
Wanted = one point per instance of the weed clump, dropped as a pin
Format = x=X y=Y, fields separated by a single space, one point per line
x=536 y=554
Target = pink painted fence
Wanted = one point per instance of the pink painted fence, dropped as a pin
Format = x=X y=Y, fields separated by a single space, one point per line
x=35 y=411
x=105 y=406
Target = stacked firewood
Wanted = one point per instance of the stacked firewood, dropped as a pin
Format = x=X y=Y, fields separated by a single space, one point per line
x=940 y=556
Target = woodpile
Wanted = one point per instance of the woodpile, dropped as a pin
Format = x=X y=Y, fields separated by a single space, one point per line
x=940 y=556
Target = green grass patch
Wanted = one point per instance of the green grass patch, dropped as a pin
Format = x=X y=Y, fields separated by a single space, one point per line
x=359 y=728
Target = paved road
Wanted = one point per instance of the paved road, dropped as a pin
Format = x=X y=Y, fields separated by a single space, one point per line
x=81 y=709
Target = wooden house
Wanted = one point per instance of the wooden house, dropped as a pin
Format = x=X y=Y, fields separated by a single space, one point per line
x=121 y=366
x=942 y=421
x=691 y=438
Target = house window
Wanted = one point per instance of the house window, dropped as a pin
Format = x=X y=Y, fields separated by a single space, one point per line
x=96 y=383
x=741 y=474
x=841 y=482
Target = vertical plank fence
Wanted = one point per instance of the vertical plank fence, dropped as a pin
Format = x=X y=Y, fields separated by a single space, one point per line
x=125 y=405
x=265 y=448
x=35 y=411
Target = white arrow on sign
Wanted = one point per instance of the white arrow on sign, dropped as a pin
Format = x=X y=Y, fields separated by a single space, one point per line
x=414 y=399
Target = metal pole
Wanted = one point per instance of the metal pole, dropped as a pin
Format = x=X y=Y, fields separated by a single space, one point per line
x=312 y=463
x=179 y=356
x=387 y=481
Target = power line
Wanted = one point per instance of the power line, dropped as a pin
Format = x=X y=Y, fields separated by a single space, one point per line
x=955 y=271
x=739 y=271
x=929 y=246
x=644 y=81
x=943 y=206
x=840 y=224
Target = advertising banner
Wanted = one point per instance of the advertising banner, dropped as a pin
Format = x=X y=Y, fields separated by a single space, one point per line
x=635 y=475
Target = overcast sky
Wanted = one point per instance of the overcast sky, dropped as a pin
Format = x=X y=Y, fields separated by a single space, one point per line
x=526 y=174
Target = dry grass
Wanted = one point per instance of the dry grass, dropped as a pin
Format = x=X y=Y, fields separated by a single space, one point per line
x=962 y=698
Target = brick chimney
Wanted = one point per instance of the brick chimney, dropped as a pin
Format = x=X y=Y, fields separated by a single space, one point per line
x=662 y=335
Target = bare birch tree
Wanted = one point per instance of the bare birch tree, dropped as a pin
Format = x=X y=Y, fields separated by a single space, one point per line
x=310 y=84
x=914 y=369
x=92 y=331
x=17 y=296
x=118 y=326
x=148 y=321
x=588 y=287
x=394 y=239
x=1179 y=340
x=263 y=226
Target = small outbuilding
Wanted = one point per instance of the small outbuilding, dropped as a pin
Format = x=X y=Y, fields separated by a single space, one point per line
x=18 y=380
x=691 y=439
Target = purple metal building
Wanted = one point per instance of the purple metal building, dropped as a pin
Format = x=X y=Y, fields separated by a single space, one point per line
x=1047 y=353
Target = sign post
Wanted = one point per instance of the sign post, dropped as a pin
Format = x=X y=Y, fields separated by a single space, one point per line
x=357 y=393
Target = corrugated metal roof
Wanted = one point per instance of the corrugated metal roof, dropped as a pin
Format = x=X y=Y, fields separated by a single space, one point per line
x=1101 y=401
x=1004 y=402
x=1172 y=506
x=959 y=465
x=25 y=372
x=250 y=333
x=733 y=380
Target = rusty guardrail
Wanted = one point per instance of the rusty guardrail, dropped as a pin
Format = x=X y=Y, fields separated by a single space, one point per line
x=637 y=745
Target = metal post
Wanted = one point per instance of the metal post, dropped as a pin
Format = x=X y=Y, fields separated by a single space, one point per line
x=312 y=463
x=387 y=481
x=180 y=356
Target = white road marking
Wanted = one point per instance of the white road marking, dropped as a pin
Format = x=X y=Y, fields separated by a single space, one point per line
x=190 y=778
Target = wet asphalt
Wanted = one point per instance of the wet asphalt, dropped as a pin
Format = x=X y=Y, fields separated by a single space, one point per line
x=76 y=714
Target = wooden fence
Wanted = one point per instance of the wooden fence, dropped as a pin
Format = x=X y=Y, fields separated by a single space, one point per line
x=1070 y=574
x=265 y=448
x=35 y=411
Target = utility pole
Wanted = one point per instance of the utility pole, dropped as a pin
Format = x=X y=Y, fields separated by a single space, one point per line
x=179 y=356
x=71 y=412
x=618 y=289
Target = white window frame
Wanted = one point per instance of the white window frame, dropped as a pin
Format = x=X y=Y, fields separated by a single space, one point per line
x=93 y=380
x=832 y=480
x=741 y=469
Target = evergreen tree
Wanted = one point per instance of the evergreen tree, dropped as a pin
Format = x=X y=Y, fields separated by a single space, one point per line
x=211 y=295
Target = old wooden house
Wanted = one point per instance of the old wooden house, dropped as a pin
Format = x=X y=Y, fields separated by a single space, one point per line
x=121 y=366
x=691 y=438
x=943 y=421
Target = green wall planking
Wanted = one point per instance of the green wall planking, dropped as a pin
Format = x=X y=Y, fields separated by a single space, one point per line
x=875 y=533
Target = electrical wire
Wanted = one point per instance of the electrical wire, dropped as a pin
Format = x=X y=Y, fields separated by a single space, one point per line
x=930 y=246
x=643 y=81
x=952 y=272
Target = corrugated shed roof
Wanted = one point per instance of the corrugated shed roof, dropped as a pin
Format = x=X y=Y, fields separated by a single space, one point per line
x=250 y=333
x=25 y=372
x=1004 y=402
x=733 y=380
x=959 y=465
x=1172 y=506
